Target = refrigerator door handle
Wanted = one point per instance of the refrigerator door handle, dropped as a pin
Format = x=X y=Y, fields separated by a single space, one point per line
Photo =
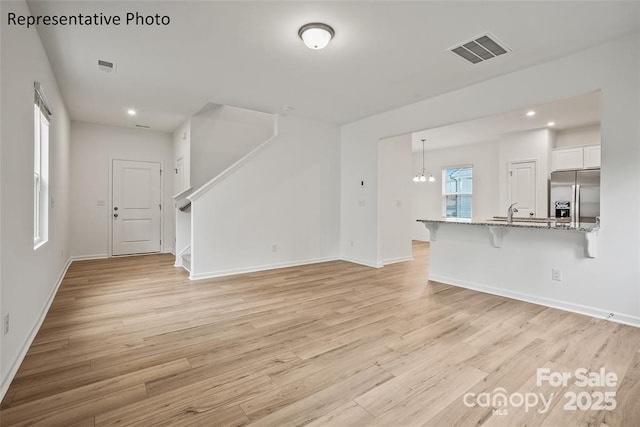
x=573 y=203
x=577 y=203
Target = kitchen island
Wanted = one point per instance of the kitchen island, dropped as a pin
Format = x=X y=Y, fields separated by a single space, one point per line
x=498 y=227
x=542 y=262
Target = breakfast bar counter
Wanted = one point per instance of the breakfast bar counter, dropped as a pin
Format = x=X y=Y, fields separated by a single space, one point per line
x=499 y=226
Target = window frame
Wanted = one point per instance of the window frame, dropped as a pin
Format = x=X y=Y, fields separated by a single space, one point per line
x=445 y=193
x=41 y=142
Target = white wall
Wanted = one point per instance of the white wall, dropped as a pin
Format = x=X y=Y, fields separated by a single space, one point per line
x=530 y=145
x=182 y=150
x=612 y=280
x=394 y=198
x=427 y=196
x=359 y=195
x=222 y=135
x=578 y=137
x=28 y=277
x=287 y=195
x=92 y=149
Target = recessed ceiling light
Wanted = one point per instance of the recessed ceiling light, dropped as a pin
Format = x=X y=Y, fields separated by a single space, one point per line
x=551 y=124
x=531 y=113
x=316 y=35
x=131 y=112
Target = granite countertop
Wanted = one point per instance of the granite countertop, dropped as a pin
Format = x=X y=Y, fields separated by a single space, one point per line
x=584 y=227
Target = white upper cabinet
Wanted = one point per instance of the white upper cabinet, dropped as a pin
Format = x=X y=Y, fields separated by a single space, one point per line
x=575 y=158
x=567 y=158
x=592 y=157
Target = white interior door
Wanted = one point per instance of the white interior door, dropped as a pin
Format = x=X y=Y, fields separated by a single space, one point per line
x=522 y=182
x=179 y=182
x=136 y=208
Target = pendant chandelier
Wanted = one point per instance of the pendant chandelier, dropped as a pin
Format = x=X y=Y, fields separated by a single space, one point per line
x=423 y=177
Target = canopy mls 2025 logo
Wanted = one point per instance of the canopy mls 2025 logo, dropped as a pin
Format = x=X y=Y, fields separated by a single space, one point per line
x=590 y=391
x=85 y=19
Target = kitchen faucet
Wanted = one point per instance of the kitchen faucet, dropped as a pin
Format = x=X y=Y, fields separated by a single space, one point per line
x=510 y=211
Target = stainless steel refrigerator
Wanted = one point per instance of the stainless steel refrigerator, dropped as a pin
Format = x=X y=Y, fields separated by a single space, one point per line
x=575 y=195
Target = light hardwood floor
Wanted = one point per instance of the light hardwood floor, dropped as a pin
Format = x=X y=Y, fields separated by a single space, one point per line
x=131 y=341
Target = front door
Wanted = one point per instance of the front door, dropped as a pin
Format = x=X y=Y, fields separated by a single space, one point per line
x=135 y=212
x=522 y=182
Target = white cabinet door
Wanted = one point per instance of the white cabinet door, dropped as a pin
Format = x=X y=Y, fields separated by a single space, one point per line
x=592 y=157
x=568 y=158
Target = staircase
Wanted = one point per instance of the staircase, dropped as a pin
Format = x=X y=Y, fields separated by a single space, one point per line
x=186 y=262
x=218 y=140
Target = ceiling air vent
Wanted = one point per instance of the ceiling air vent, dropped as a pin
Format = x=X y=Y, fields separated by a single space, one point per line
x=106 y=66
x=480 y=49
x=143 y=126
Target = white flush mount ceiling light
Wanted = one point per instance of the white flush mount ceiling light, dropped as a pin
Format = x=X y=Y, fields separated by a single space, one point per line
x=423 y=178
x=551 y=124
x=531 y=113
x=131 y=112
x=316 y=35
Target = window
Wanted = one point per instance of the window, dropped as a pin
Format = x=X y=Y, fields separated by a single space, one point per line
x=457 y=190
x=41 y=114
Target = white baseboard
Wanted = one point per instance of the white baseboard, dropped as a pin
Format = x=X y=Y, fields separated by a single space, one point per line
x=88 y=257
x=362 y=262
x=397 y=260
x=625 y=319
x=420 y=239
x=13 y=369
x=230 y=272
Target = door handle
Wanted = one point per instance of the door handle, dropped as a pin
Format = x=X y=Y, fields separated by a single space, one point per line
x=577 y=203
x=115 y=215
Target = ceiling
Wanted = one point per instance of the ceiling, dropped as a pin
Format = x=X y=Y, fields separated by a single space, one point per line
x=247 y=54
x=575 y=112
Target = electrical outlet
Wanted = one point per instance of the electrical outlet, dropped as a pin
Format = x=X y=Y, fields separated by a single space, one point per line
x=556 y=274
x=6 y=324
x=352 y=244
x=274 y=248
x=398 y=203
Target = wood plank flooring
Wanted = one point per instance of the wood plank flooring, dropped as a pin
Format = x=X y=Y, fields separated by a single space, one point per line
x=131 y=341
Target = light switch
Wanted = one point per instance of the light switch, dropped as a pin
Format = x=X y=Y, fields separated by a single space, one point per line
x=100 y=203
x=398 y=203
x=362 y=203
